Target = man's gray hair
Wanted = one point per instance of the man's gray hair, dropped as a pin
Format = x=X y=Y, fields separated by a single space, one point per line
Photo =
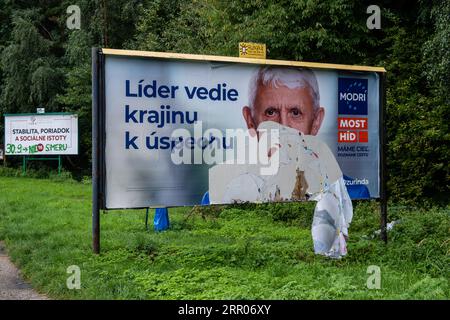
x=292 y=78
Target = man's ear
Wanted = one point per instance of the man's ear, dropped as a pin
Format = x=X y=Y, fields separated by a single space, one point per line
x=317 y=122
x=247 y=113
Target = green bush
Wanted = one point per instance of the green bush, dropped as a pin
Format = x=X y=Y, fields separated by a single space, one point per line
x=366 y=216
x=40 y=172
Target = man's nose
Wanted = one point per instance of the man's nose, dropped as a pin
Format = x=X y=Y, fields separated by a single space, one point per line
x=284 y=118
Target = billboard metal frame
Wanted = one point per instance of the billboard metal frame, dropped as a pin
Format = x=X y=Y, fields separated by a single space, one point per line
x=98 y=120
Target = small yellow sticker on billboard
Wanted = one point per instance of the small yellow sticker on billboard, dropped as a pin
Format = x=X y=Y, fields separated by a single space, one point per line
x=252 y=50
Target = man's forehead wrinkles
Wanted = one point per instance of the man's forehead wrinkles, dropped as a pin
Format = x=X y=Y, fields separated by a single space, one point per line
x=283 y=105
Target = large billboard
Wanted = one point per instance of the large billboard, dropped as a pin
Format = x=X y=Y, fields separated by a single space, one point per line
x=41 y=134
x=179 y=128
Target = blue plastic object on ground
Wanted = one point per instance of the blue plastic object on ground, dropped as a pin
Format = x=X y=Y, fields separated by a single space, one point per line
x=205 y=199
x=161 y=220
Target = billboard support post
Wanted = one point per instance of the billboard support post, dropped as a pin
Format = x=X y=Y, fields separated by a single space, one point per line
x=24 y=165
x=95 y=154
x=382 y=130
x=25 y=160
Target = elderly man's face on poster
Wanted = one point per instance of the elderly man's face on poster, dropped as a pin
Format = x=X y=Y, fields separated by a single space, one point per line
x=291 y=107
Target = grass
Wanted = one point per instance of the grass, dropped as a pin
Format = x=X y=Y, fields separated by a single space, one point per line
x=245 y=252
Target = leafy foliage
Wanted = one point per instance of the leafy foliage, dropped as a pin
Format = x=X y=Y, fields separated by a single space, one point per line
x=30 y=76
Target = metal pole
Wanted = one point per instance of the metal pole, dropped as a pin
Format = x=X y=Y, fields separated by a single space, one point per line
x=24 y=165
x=59 y=165
x=382 y=126
x=95 y=154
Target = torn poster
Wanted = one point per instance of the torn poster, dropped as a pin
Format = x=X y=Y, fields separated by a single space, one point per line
x=306 y=170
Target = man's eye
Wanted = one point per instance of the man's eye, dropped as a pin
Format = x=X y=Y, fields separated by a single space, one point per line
x=296 y=112
x=271 y=112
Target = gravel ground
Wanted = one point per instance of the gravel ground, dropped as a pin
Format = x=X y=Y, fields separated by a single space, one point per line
x=12 y=286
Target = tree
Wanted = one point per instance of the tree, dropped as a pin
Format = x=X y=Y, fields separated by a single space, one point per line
x=437 y=49
x=31 y=72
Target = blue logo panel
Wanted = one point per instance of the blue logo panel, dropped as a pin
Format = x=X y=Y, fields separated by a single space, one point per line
x=352 y=96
